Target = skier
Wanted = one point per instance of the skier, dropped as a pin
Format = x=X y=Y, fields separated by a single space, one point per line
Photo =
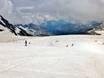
x=72 y=45
x=67 y=45
x=25 y=42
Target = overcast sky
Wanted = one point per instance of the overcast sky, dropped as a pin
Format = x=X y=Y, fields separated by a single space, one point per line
x=22 y=11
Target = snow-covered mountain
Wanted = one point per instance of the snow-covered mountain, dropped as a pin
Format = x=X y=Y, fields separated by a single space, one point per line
x=59 y=27
x=63 y=27
x=50 y=27
x=32 y=29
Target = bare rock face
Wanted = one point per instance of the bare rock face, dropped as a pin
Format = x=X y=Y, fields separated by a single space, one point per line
x=1 y=28
x=5 y=23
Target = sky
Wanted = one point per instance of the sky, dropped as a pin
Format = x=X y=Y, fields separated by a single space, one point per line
x=25 y=11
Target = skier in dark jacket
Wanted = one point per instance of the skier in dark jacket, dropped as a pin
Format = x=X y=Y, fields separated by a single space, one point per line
x=25 y=42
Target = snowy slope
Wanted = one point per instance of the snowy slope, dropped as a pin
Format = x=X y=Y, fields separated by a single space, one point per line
x=53 y=57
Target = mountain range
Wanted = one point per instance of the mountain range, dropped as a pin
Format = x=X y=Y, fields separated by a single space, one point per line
x=50 y=27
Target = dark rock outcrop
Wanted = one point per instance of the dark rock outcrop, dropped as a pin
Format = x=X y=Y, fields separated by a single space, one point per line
x=6 y=24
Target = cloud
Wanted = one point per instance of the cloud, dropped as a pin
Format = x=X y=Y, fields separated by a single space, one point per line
x=26 y=10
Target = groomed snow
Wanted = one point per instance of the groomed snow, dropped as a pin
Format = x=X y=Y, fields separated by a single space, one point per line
x=53 y=57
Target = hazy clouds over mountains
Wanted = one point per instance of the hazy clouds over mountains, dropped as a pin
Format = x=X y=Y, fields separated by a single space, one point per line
x=18 y=11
